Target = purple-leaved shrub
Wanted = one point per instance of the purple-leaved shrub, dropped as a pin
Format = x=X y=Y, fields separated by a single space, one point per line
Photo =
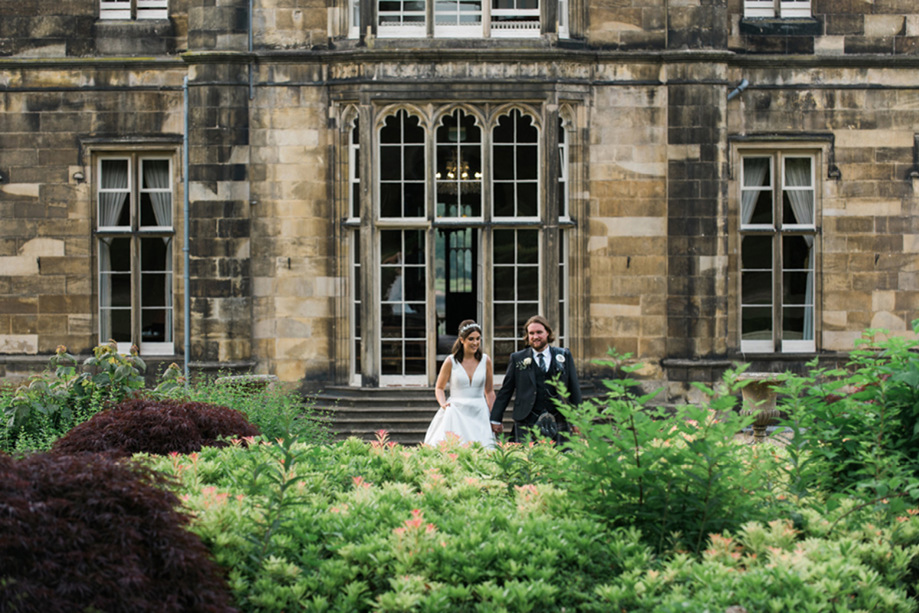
x=156 y=426
x=90 y=532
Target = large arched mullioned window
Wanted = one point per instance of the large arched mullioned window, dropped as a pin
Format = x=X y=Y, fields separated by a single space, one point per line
x=453 y=230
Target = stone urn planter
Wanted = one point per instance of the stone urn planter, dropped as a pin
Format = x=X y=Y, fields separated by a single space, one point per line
x=759 y=401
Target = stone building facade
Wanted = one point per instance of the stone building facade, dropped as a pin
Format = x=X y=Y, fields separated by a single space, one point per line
x=328 y=188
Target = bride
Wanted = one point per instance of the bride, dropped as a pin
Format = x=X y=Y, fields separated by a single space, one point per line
x=471 y=377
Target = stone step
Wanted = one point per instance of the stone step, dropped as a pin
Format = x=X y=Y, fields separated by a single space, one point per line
x=404 y=413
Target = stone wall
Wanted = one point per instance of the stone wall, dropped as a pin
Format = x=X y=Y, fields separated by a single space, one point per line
x=870 y=231
x=657 y=223
x=838 y=27
x=48 y=118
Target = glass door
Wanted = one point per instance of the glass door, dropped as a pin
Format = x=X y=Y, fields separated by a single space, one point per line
x=456 y=284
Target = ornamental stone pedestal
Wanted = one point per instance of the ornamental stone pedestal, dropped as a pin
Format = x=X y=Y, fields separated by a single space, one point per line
x=759 y=401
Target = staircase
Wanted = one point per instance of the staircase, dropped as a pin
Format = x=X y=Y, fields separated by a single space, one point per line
x=404 y=412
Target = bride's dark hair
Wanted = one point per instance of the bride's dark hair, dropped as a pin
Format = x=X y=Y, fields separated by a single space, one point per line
x=466 y=327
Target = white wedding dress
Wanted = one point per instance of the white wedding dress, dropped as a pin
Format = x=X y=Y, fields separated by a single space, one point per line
x=467 y=415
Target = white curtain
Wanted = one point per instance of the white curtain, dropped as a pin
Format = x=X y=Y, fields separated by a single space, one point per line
x=114 y=176
x=754 y=171
x=156 y=176
x=798 y=174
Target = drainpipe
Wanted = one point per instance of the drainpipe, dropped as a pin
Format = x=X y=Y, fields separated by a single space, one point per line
x=737 y=90
x=186 y=273
x=251 y=77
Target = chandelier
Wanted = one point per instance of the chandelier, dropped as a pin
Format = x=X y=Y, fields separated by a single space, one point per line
x=459 y=177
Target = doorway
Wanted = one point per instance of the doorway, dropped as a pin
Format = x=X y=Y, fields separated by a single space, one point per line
x=456 y=280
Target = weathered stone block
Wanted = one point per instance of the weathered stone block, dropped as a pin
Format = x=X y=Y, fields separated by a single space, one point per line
x=26 y=344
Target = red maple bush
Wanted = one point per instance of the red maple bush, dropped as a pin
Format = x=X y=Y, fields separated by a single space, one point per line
x=156 y=426
x=90 y=532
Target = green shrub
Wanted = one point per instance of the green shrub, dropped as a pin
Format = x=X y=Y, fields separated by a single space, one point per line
x=379 y=527
x=327 y=528
x=769 y=568
x=37 y=414
x=856 y=430
x=676 y=476
x=277 y=412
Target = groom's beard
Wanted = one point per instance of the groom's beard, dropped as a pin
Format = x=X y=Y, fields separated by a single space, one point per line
x=539 y=345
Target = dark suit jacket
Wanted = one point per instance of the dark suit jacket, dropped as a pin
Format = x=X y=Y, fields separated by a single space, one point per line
x=521 y=377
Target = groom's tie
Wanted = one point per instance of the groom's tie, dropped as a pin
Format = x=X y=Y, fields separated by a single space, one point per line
x=541 y=362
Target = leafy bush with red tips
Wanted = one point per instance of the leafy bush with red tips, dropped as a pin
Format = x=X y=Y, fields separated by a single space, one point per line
x=157 y=427
x=93 y=533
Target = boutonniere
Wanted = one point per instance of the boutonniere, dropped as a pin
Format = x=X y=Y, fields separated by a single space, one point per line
x=524 y=364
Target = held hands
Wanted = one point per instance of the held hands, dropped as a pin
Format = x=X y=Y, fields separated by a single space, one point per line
x=497 y=428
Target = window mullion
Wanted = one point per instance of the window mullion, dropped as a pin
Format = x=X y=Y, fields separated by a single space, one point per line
x=367 y=238
x=548 y=180
x=778 y=195
x=487 y=246
x=136 y=276
x=430 y=199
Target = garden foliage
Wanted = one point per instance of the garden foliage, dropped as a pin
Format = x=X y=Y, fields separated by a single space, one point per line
x=677 y=475
x=51 y=404
x=379 y=527
x=856 y=429
x=88 y=533
x=277 y=412
x=644 y=510
x=156 y=427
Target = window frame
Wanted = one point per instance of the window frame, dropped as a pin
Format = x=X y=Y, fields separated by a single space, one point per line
x=133 y=10
x=495 y=23
x=458 y=30
x=777 y=231
x=517 y=181
x=460 y=150
x=137 y=235
x=777 y=9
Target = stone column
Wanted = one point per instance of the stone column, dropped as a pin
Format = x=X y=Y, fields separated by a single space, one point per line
x=220 y=225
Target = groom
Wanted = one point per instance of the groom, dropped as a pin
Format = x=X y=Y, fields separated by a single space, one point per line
x=529 y=373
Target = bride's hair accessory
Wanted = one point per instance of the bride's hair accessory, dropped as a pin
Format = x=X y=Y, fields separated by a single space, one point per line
x=468 y=327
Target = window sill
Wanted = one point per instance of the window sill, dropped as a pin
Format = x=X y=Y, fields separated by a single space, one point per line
x=771 y=26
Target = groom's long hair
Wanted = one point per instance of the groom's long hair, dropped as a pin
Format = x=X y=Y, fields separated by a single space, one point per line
x=537 y=319
x=458 y=351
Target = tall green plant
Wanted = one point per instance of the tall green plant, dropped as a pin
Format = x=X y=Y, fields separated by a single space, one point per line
x=278 y=412
x=68 y=394
x=676 y=475
x=856 y=431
